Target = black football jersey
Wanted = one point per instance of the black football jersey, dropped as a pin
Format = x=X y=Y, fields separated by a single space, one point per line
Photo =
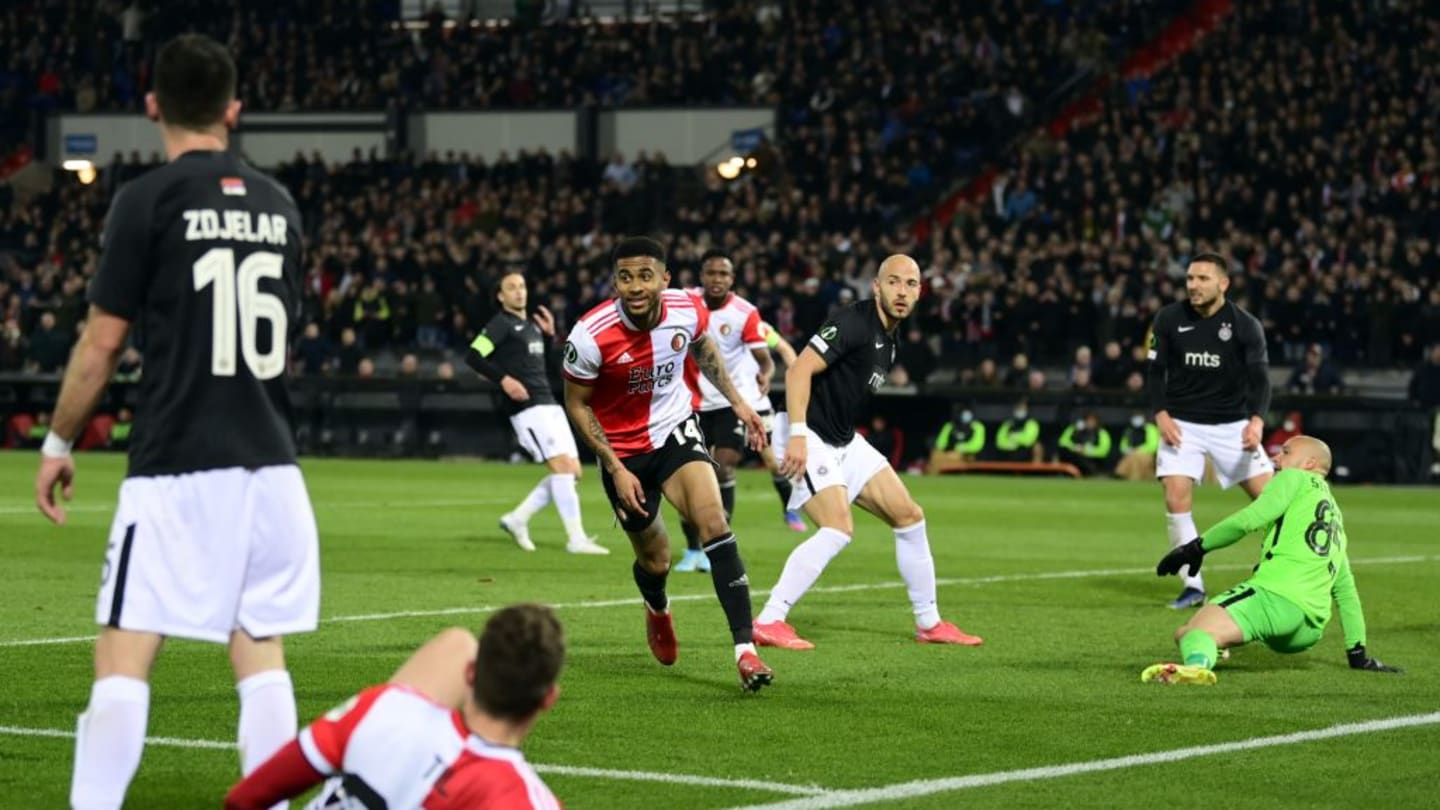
x=1204 y=361
x=518 y=348
x=858 y=355
x=202 y=257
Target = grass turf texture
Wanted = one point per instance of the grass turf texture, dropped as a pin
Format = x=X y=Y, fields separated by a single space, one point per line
x=1056 y=682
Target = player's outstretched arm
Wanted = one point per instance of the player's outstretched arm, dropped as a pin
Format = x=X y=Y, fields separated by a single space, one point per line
x=797 y=404
x=92 y=364
x=627 y=486
x=708 y=359
x=437 y=669
x=1352 y=622
x=779 y=346
x=767 y=369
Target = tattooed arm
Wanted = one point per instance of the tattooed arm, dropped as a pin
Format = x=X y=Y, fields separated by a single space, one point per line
x=577 y=406
x=707 y=357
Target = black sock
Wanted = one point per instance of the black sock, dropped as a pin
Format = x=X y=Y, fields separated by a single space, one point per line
x=732 y=586
x=727 y=497
x=692 y=535
x=782 y=486
x=652 y=588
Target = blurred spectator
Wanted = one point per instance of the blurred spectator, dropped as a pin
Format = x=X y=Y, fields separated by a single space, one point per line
x=1139 y=444
x=129 y=366
x=49 y=348
x=1086 y=444
x=1019 y=436
x=313 y=351
x=350 y=355
x=962 y=438
x=119 y=438
x=365 y=369
x=1291 y=426
x=890 y=441
x=1315 y=374
x=916 y=356
x=1112 y=369
x=12 y=345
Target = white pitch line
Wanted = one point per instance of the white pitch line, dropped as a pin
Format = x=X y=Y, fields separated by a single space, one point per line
x=559 y=770
x=172 y=742
x=319 y=505
x=930 y=787
x=693 y=597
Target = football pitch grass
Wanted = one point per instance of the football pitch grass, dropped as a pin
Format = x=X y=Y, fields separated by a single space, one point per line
x=1057 y=575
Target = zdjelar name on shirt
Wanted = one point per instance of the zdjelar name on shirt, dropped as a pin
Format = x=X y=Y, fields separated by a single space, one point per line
x=206 y=224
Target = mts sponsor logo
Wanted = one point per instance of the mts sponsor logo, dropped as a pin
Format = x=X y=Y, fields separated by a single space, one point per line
x=1202 y=359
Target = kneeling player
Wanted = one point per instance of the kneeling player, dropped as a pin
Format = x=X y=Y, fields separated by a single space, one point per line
x=845 y=362
x=1286 y=603
x=626 y=393
x=444 y=732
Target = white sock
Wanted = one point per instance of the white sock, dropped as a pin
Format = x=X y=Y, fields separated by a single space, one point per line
x=567 y=503
x=802 y=568
x=109 y=739
x=1181 y=527
x=267 y=717
x=538 y=499
x=917 y=568
x=741 y=649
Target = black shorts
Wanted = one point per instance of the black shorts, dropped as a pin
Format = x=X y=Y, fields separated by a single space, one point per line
x=685 y=444
x=722 y=428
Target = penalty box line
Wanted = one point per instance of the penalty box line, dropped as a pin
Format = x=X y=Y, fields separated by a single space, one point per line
x=634 y=601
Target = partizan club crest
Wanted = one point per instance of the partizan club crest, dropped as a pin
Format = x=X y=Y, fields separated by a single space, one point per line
x=1225 y=331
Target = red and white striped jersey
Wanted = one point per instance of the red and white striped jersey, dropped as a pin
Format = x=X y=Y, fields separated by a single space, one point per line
x=736 y=329
x=393 y=744
x=641 y=392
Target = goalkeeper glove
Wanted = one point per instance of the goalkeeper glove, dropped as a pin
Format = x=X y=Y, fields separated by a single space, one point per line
x=1359 y=659
x=1189 y=554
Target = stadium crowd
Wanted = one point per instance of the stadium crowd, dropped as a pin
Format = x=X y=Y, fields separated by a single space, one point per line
x=1327 y=194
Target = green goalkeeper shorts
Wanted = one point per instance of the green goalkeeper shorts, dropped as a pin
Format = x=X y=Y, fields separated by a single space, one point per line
x=1272 y=620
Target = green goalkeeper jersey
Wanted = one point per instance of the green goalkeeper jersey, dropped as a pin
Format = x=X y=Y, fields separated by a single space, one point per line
x=1303 y=556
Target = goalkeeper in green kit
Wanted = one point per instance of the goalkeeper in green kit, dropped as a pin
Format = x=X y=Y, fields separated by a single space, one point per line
x=1303 y=566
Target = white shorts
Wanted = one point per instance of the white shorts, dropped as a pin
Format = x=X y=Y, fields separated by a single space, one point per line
x=202 y=554
x=1222 y=443
x=544 y=432
x=851 y=466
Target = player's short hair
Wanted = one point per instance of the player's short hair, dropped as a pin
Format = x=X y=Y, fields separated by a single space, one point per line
x=522 y=649
x=194 y=81
x=1212 y=258
x=715 y=253
x=632 y=247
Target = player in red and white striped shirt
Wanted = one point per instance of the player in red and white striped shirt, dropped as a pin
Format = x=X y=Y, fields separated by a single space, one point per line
x=744 y=343
x=626 y=392
x=443 y=734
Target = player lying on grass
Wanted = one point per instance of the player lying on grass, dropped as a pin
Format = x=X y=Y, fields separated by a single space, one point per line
x=443 y=733
x=1286 y=603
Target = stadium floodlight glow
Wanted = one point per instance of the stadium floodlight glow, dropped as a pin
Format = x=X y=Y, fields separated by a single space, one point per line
x=730 y=169
x=750 y=163
x=86 y=175
x=77 y=165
